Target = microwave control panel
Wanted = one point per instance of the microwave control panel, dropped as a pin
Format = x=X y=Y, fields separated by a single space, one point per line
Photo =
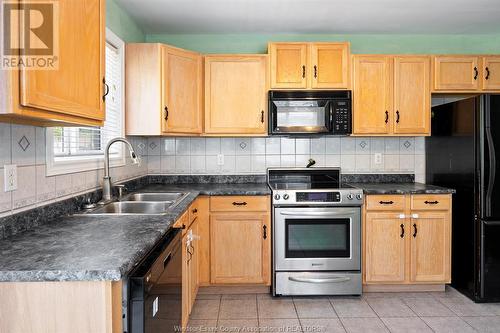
x=341 y=114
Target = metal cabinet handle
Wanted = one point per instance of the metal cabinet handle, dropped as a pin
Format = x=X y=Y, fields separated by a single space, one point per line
x=435 y=202
x=415 y=230
x=106 y=89
x=487 y=73
x=397 y=116
x=414 y=216
x=166 y=113
x=386 y=116
x=239 y=203
x=402 y=230
x=476 y=73
x=262 y=116
x=386 y=202
x=313 y=280
x=264 y=229
x=315 y=71
x=303 y=71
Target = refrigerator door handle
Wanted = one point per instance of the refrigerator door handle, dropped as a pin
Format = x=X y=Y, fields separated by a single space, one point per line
x=492 y=168
x=492 y=223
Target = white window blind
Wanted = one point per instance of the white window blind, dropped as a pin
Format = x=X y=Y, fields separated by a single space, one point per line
x=71 y=149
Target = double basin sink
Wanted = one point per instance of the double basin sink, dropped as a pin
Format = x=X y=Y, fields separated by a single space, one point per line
x=140 y=204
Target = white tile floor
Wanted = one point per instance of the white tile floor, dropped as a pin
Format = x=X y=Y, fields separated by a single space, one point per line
x=447 y=311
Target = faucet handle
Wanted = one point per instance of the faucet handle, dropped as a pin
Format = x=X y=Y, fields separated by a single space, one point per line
x=121 y=188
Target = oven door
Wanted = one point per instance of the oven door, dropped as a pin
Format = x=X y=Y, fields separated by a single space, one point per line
x=317 y=239
x=300 y=116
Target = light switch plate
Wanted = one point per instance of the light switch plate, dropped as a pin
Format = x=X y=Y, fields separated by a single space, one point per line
x=10 y=177
x=377 y=158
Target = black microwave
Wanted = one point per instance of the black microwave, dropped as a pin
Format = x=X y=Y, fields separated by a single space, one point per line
x=310 y=112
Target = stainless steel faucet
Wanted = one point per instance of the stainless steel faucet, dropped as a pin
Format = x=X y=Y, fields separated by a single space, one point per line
x=106 y=181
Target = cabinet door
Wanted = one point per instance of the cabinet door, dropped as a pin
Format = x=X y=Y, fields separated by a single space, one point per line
x=182 y=85
x=412 y=94
x=240 y=247
x=372 y=94
x=194 y=264
x=491 y=74
x=204 y=241
x=235 y=94
x=330 y=65
x=288 y=65
x=456 y=73
x=186 y=290
x=76 y=88
x=430 y=246
x=385 y=235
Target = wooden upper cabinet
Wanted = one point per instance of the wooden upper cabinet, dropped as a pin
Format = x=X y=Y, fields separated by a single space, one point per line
x=182 y=91
x=456 y=73
x=288 y=65
x=163 y=90
x=430 y=246
x=372 y=94
x=385 y=249
x=240 y=247
x=236 y=94
x=73 y=93
x=412 y=95
x=491 y=74
x=330 y=65
x=309 y=65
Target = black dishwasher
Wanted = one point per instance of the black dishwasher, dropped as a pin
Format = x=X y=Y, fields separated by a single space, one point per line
x=155 y=288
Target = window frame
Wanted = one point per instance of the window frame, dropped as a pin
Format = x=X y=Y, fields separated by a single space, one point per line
x=80 y=163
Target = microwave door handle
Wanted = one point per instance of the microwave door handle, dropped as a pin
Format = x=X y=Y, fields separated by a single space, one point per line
x=329 y=116
x=301 y=213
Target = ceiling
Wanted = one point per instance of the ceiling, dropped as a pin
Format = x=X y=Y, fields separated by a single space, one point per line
x=315 y=16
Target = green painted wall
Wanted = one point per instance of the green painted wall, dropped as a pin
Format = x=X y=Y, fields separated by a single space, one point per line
x=359 y=43
x=122 y=24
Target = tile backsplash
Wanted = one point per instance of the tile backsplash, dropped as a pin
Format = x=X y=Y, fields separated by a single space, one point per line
x=24 y=146
x=183 y=155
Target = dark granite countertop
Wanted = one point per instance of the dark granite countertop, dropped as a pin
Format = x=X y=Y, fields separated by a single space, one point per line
x=97 y=248
x=401 y=188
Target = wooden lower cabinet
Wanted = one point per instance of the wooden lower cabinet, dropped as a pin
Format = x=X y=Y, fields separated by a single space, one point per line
x=430 y=246
x=61 y=306
x=239 y=248
x=407 y=246
x=385 y=250
x=190 y=263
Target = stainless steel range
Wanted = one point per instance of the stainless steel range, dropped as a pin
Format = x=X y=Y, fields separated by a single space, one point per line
x=316 y=232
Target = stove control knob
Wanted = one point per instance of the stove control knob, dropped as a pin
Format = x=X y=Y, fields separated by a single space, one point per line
x=359 y=196
x=277 y=196
x=350 y=196
x=286 y=196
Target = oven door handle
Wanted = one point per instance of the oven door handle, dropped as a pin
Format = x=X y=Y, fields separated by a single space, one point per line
x=302 y=213
x=316 y=280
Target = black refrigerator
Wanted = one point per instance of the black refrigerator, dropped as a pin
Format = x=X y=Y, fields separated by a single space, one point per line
x=463 y=153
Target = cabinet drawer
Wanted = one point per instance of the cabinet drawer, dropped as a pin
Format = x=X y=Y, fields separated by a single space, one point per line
x=385 y=202
x=430 y=202
x=239 y=203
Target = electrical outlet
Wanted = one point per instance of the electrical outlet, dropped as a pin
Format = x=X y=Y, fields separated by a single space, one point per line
x=10 y=177
x=377 y=158
x=220 y=159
